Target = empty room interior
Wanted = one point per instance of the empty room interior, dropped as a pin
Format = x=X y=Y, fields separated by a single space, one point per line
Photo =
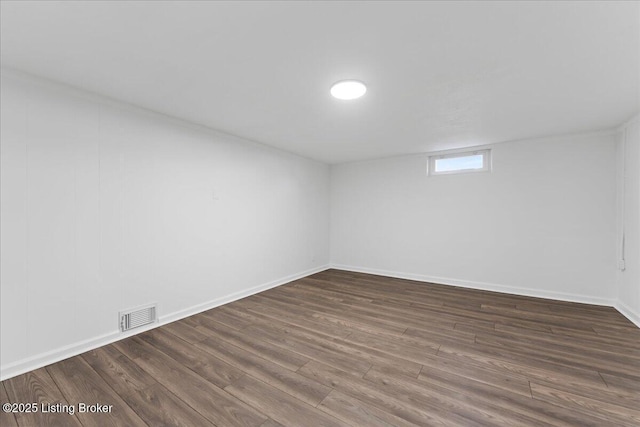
x=345 y=213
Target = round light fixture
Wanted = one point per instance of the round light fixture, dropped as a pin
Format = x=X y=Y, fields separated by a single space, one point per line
x=348 y=89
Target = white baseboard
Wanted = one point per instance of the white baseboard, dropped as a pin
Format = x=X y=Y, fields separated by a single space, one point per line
x=480 y=285
x=627 y=312
x=47 y=358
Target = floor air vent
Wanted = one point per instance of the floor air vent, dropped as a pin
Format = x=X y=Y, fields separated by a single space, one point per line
x=137 y=317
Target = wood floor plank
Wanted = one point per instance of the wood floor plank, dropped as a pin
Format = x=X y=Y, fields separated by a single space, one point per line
x=453 y=314
x=271 y=423
x=511 y=402
x=626 y=340
x=254 y=343
x=621 y=383
x=355 y=292
x=419 y=413
x=313 y=350
x=476 y=410
x=117 y=370
x=378 y=321
x=629 y=332
x=159 y=407
x=404 y=342
x=81 y=384
x=531 y=368
x=38 y=387
x=440 y=337
x=391 y=311
x=348 y=326
x=278 y=405
x=187 y=334
x=475 y=327
x=396 y=315
x=596 y=408
x=299 y=317
x=599 y=314
x=152 y=402
x=613 y=396
x=190 y=387
x=587 y=360
x=273 y=374
x=202 y=363
x=357 y=413
x=500 y=378
x=344 y=350
x=570 y=344
x=551 y=319
x=351 y=349
x=410 y=349
x=229 y=319
x=313 y=290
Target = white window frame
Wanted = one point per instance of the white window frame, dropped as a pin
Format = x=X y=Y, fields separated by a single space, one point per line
x=486 y=162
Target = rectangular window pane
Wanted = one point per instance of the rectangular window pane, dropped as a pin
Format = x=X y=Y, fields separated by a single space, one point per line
x=459 y=163
x=470 y=161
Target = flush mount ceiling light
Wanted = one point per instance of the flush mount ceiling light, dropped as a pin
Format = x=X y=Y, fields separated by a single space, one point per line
x=348 y=89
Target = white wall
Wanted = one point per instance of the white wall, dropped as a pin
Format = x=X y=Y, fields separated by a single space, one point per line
x=106 y=207
x=628 y=281
x=541 y=223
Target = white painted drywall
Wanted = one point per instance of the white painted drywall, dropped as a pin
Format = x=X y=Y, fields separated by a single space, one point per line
x=541 y=223
x=628 y=156
x=106 y=207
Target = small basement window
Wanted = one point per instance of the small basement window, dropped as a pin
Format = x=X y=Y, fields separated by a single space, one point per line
x=469 y=161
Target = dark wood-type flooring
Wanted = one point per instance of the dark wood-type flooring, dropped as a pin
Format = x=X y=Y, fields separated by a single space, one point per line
x=340 y=348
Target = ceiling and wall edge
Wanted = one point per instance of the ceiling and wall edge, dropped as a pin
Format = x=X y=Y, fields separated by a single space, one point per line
x=108 y=100
x=115 y=102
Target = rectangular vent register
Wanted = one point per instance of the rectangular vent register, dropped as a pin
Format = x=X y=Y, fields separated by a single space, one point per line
x=134 y=318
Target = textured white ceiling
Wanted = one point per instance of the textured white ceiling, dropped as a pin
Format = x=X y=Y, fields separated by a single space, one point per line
x=439 y=75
